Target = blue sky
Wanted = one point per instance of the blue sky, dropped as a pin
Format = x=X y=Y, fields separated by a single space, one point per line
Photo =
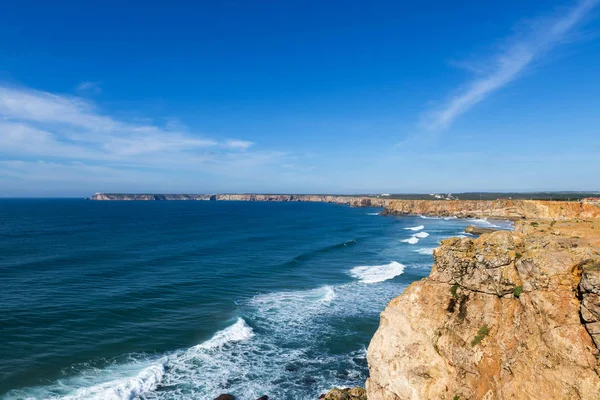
x=298 y=96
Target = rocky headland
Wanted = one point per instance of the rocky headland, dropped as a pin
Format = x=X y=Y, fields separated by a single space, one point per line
x=507 y=315
x=355 y=201
x=496 y=209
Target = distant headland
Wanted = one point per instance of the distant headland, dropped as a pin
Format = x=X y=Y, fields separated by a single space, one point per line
x=545 y=205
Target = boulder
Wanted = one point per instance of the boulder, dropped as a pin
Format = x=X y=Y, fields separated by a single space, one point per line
x=478 y=230
x=355 y=393
x=225 y=397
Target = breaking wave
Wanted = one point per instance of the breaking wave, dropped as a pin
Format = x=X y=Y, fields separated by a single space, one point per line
x=235 y=333
x=377 y=273
x=140 y=377
x=285 y=344
x=425 y=250
x=411 y=240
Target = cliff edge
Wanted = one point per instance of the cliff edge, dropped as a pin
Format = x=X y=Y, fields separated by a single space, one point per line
x=501 y=208
x=507 y=315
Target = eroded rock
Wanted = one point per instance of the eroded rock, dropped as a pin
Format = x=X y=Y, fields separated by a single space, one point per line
x=508 y=315
x=478 y=230
x=355 y=393
x=225 y=397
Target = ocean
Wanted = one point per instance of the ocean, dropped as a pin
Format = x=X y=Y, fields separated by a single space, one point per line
x=188 y=300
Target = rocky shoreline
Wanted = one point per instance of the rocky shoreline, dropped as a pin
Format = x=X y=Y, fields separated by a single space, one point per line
x=496 y=209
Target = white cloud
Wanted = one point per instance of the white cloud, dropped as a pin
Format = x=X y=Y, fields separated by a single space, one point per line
x=89 y=87
x=58 y=142
x=42 y=107
x=541 y=36
x=40 y=123
x=239 y=144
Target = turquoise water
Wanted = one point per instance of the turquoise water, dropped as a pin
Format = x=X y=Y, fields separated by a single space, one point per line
x=180 y=300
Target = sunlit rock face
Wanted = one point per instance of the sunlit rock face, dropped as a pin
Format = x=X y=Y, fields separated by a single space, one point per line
x=504 y=209
x=508 y=315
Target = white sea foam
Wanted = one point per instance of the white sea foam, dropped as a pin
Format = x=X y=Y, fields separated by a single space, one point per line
x=416 y=228
x=486 y=223
x=421 y=235
x=329 y=295
x=115 y=382
x=425 y=250
x=234 y=333
x=285 y=345
x=125 y=388
x=374 y=213
x=275 y=357
x=377 y=273
x=299 y=297
x=137 y=378
x=411 y=240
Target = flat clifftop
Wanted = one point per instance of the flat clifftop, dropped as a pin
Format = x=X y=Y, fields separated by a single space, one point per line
x=357 y=201
x=501 y=209
x=507 y=315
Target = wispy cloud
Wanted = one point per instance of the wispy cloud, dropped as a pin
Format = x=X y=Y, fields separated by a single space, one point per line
x=539 y=37
x=36 y=123
x=239 y=144
x=89 y=87
x=51 y=141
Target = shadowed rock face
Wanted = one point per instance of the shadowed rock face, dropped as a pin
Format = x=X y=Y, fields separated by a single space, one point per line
x=508 y=315
x=589 y=289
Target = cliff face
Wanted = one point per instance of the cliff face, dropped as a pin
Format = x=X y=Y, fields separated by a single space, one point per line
x=148 y=197
x=509 y=315
x=355 y=201
x=502 y=209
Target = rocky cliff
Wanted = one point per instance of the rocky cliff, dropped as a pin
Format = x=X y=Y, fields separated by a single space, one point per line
x=508 y=315
x=148 y=197
x=355 y=201
x=503 y=209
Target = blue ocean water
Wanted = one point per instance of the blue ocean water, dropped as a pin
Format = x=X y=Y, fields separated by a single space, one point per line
x=188 y=300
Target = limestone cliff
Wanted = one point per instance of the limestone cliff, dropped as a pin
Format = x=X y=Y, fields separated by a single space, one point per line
x=147 y=197
x=355 y=201
x=503 y=209
x=508 y=315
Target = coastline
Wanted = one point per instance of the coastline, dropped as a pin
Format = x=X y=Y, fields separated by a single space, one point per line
x=534 y=289
x=508 y=209
x=494 y=309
